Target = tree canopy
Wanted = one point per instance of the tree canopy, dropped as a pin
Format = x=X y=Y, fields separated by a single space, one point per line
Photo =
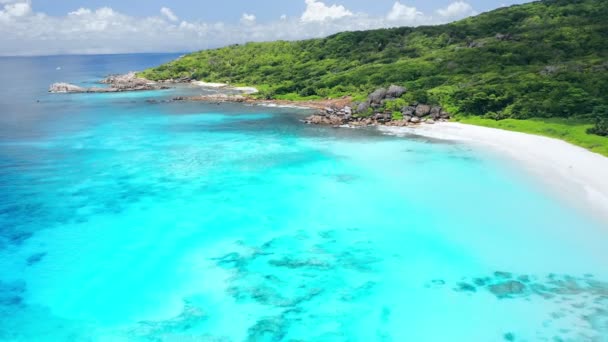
x=542 y=59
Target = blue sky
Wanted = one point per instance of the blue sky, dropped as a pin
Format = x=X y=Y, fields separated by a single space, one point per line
x=44 y=27
x=231 y=10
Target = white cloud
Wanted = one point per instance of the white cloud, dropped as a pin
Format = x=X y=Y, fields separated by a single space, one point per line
x=404 y=12
x=23 y=31
x=248 y=19
x=283 y=17
x=458 y=9
x=79 y=12
x=168 y=13
x=319 y=11
x=15 y=9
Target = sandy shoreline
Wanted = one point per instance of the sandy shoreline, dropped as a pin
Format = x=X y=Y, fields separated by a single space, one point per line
x=573 y=171
x=212 y=85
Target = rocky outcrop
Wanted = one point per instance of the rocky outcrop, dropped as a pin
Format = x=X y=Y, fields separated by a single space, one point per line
x=423 y=110
x=116 y=83
x=128 y=82
x=344 y=116
x=370 y=113
x=395 y=91
x=504 y=37
x=377 y=96
x=66 y=88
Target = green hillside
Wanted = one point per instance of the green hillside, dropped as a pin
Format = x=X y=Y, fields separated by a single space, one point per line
x=547 y=59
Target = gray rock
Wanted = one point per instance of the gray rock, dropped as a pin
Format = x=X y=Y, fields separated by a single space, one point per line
x=504 y=37
x=315 y=120
x=335 y=120
x=415 y=119
x=395 y=91
x=382 y=116
x=348 y=110
x=116 y=83
x=408 y=110
x=377 y=96
x=436 y=112
x=65 y=88
x=429 y=121
x=362 y=107
x=128 y=81
x=423 y=110
x=407 y=118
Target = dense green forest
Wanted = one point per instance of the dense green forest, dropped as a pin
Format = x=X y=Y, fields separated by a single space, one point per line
x=546 y=59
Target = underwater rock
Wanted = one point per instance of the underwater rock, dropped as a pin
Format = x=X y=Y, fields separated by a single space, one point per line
x=11 y=294
x=295 y=263
x=190 y=318
x=35 y=258
x=509 y=337
x=481 y=281
x=507 y=289
x=466 y=287
x=268 y=329
x=231 y=260
x=583 y=298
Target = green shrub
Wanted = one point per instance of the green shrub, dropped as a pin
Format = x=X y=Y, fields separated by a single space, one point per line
x=395 y=105
x=600 y=128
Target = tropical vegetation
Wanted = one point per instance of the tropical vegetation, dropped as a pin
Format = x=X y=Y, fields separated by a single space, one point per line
x=546 y=59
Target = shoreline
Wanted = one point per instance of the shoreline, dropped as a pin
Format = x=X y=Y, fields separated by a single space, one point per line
x=570 y=170
x=245 y=99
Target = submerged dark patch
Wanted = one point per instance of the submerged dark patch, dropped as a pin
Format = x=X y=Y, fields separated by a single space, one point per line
x=11 y=293
x=582 y=297
x=35 y=258
x=295 y=277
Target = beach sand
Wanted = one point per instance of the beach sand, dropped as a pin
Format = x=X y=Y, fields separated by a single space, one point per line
x=579 y=174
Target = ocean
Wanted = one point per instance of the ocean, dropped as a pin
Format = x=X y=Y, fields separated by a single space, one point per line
x=127 y=218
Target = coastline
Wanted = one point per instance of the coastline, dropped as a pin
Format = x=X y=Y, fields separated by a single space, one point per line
x=574 y=172
x=246 y=99
x=571 y=170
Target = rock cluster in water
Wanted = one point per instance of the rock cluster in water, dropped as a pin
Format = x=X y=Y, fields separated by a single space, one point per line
x=372 y=112
x=585 y=299
x=116 y=83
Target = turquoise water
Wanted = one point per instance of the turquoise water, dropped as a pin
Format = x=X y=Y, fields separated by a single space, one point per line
x=124 y=220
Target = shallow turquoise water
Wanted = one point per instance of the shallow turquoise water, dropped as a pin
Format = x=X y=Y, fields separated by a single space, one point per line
x=124 y=220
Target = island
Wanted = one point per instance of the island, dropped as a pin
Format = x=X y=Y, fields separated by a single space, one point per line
x=540 y=68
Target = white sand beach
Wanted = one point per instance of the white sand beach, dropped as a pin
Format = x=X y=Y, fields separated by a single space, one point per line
x=209 y=84
x=579 y=174
x=244 y=90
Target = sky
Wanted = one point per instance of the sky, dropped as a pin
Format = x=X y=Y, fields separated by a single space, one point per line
x=48 y=27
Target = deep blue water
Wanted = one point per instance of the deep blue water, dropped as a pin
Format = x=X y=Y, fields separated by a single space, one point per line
x=125 y=220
